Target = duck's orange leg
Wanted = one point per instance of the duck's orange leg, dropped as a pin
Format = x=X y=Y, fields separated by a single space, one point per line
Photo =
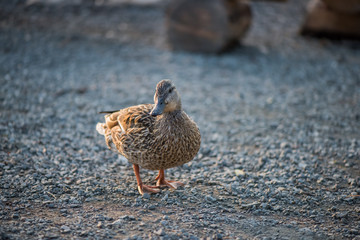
x=142 y=188
x=162 y=182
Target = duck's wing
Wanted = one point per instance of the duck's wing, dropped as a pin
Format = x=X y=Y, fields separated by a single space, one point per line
x=135 y=117
x=135 y=130
x=126 y=124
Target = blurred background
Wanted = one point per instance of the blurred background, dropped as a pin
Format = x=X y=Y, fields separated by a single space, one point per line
x=273 y=87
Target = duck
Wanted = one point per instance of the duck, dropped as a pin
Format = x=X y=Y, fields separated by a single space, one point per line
x=155 y=136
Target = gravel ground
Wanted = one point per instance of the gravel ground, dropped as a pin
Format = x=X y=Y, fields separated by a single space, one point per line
x=279 y=117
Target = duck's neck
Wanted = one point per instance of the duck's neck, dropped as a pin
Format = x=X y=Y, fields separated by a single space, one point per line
x=172 y=116
x=173 y=113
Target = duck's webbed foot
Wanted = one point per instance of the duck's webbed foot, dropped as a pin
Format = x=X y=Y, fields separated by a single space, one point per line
x=142 y=188
x=148 y=189
x=162 y=182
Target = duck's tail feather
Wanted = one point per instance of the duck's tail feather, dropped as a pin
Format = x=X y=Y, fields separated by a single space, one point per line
x=107 y=112
x=111 y=125
x=102 y=129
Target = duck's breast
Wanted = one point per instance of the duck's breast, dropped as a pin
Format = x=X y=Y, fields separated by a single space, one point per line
x=175 y=144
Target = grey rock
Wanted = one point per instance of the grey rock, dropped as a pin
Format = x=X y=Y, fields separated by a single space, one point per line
x=146 y=196
x=192 y=237
x=160 y=232
x=164 y=223
x=152 y=207
x=210 y=198
x=284 y=145
x=84 y=233
x=123 y=219
x=65 y=229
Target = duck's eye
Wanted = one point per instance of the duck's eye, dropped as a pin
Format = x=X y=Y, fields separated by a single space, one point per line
x=170 y=90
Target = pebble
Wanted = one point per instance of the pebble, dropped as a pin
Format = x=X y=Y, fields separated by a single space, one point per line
x=284 y=145
x=192 y=237
x=218 y=236
x=160 y=232
x=117 y=222
x=152 y=207
x=65 y=229
x=146 y=196
x=210 y=198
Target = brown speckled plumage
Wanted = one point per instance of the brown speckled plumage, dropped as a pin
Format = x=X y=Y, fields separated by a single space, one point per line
x=169 y=139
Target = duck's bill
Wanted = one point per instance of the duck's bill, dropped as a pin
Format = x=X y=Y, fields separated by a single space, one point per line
x=158 y=109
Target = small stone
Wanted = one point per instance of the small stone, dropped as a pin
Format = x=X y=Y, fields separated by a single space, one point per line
x=261 y=162
x=341 y=214
x=306 y=231
x=117 y=222
x=124 y=218
x=51 y=205
x=284 y=145
x=51 y=236
x=160 y=232
x=264 y=206
x=219 y=236
x=210 y=198
x=277 y=207
x=192 y=237
x=65 y=229
x=146 y=196
x=165 y=198
x=240 y=172
x=64 y=210
x=152 y=207
x=250 y=205
x=81 y=193
x=302 y=165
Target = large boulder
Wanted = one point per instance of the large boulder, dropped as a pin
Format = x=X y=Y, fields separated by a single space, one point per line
x=206 y=25
x=323 y=21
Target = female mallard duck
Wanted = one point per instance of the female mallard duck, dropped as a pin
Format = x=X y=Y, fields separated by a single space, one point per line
x=153 y=136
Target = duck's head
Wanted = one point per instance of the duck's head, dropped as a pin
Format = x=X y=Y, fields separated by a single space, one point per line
x=166 y=98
